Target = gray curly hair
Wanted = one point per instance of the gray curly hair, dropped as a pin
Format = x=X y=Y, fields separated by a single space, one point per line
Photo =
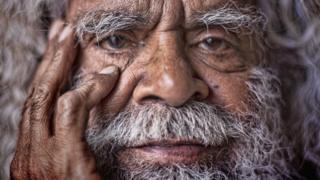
x=294 y=29
x=293 y=36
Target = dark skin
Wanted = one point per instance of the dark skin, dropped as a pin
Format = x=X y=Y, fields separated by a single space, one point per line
x=166 y=70
x=53 y=147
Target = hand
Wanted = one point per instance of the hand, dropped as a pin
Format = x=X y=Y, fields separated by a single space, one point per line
x=51 y=143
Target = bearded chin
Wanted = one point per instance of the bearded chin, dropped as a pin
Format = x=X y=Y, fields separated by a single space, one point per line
x=248 y=146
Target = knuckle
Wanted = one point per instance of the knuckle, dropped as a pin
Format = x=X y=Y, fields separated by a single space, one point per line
x=95 y=81
x=41 y=96
x=68 y=101
x=67 y=107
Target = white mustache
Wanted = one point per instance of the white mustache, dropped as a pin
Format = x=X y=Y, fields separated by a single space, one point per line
x=196 y=121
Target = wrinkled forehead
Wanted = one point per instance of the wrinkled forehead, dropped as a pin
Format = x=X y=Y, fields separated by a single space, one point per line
x=156 y=9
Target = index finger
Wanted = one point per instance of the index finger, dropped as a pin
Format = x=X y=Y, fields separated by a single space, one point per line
x=48 y=85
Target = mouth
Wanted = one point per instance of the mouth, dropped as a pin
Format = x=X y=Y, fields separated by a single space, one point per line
x=168 y=151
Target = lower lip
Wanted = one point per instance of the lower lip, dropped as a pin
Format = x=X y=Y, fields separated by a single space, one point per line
x=169 y=154
x=177 y=150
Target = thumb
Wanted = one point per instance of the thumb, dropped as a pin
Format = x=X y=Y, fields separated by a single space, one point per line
x=73 y=107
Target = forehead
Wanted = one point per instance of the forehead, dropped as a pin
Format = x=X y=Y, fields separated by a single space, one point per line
x=155 y=8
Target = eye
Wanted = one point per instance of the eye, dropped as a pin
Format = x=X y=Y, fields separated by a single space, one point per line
x=214 y=44
x=114 y=42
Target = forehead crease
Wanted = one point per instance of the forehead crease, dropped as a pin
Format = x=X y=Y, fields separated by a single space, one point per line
x=148 y=6
x=111 y=4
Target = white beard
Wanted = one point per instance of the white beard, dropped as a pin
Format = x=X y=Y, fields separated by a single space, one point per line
x=255 y=144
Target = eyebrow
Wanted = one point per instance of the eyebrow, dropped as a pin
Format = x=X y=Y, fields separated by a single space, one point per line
x=231 y=18
x=98 y=22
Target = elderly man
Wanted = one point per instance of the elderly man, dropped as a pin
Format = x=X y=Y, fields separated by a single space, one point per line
x=180 y=89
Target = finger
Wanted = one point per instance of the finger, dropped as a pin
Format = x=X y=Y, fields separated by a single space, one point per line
x=19 y=164
x=49 y=83
x=56 y=28
x=73 y=107
x=60 y=59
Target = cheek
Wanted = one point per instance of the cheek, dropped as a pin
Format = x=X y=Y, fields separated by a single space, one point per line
x=92 y=61
x=226 y=89
x=119 y=98
x=234 y=92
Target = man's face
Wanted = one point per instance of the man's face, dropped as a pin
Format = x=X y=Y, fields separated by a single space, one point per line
x=191 y=100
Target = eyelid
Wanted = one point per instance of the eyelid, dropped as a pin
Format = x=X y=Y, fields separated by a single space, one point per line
x=216 y=33
x=128 y=35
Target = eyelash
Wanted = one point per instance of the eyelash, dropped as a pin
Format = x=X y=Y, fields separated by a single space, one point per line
x=114 y=50
x=128 y=39
x=227 y=47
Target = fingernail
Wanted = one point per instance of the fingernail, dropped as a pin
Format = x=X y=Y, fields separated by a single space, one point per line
x=109 y=70
x=55 y=28
x=65 y=33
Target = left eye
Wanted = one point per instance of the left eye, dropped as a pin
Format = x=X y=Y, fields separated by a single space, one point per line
x=113 y=42
x=214 y=44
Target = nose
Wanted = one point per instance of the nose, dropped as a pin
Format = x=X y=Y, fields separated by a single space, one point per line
x=169 y=77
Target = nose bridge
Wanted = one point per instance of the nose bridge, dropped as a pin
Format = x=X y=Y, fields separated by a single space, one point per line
x=174 y=74
x=168 y=77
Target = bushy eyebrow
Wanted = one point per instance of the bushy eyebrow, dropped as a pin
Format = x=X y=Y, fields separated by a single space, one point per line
x=231 y=18
x=99 y=22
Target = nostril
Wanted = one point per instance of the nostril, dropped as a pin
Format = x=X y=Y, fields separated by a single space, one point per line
x=198 y=96
x=151 y=99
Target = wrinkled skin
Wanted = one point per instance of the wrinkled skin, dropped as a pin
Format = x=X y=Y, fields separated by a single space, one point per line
x=164 y=58
x=165 y=70
x=53 y=147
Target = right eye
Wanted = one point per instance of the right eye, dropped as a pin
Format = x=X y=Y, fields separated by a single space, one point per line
x=214 y=44
x=114 y=42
